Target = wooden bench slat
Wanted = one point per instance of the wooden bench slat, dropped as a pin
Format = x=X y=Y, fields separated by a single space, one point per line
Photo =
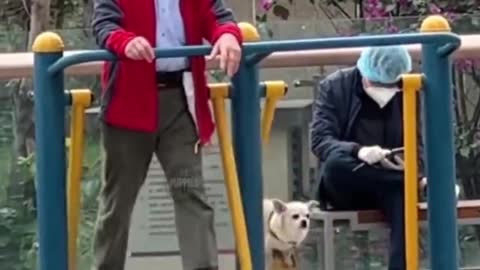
x=466 y=209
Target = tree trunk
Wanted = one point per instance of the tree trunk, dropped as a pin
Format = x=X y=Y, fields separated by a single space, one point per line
x=58 y=13
x=24 y=132
x=24 y=126
x=87 y=16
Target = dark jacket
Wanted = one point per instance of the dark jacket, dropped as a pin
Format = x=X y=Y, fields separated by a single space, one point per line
x=130 y=88
x=335 y=110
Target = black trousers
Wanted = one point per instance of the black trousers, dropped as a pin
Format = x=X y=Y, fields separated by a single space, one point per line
x=368 y=188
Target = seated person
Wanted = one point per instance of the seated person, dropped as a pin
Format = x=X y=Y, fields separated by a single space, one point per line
x=357 y=118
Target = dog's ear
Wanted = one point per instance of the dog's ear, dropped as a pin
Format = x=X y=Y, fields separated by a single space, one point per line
x=312 y=204
x=279 y=206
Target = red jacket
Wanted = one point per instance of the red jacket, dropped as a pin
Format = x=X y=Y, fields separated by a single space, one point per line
x=129 y=97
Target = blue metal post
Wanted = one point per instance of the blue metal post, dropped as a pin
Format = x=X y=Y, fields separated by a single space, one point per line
x=440 y=152
x=50 y=154
x=247 y=145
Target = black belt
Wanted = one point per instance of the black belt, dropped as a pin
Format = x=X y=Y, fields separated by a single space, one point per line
x=169 y=79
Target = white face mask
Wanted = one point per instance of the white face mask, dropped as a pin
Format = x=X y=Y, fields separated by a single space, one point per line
x=381 y=95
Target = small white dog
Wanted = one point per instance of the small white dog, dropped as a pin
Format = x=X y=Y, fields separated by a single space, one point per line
x=285 y=227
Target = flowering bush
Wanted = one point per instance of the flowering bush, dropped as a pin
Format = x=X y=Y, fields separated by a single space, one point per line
x=389 y=16
x=387 y=10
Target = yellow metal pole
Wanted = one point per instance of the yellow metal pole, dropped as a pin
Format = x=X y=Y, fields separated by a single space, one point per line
x=81 y=99
x=218 y=94
x=274 y=91
x=411 y=83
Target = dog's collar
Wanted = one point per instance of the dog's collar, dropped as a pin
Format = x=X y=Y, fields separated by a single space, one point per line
x=274 y=235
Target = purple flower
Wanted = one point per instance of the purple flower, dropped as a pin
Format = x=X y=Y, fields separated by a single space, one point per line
x=451 y=16
x=266 y=4
x=434 y=9
x=460 y=65
x=467 y=65
x=392 y=28
x=403 y=3
x=374 y=9
x=346 y=32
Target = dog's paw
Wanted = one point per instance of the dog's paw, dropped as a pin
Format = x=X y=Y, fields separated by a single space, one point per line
x=286 y=263
x=277 y=254
x=293 y=261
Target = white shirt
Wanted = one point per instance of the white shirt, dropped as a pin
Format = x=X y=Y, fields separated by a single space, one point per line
x=170 y=33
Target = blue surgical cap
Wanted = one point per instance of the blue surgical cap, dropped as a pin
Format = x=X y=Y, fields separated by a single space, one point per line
x=384 y=64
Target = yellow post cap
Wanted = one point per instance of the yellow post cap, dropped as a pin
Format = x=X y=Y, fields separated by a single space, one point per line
x=249 y=32
x=435 y=23
x=219 y=90
x=82 y=97
x=47 y=42
x=275 y=89
x=412 y=81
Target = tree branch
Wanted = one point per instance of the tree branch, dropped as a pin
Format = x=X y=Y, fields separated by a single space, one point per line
x=342 y=10
x=329 y=16
x=476 y=112
x=461 y=106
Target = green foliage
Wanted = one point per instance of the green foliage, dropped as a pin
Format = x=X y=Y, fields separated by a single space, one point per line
x=90 y=190
x=217 y=75
x=15 y=15
x=465 y=144
x=18 y=244
x=17 y=223
x=18 y=239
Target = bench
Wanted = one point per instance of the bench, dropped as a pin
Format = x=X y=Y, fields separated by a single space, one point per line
x=468 y=212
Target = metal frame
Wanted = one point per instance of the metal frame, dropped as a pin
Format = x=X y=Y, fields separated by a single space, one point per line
x=51 y=160
x=331 y=219
x=18 y=65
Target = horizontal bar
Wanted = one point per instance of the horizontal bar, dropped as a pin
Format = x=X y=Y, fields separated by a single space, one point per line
x=262 y=87
x=351 y=42
x=265 y=47
x=67 y=94
x=103 y=55
x=447 y=49
x=20 y=65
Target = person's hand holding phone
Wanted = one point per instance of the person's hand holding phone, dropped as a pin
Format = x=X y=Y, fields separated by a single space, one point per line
x=372 y=154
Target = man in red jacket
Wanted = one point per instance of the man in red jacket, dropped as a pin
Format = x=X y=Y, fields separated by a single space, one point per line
x=158 y=107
